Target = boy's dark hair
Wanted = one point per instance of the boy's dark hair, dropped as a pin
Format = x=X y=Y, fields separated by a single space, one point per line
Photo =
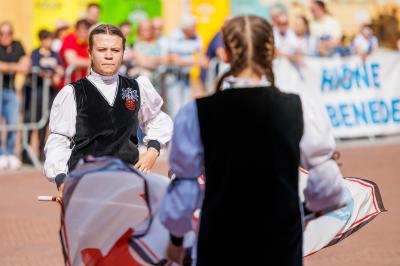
x=125 y=23
x=83 y=22
x=321 y=4
x=45 y=34
x=106 y=29
x=90 y=5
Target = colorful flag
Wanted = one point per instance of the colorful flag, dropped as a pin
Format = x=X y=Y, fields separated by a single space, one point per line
x=110 y=215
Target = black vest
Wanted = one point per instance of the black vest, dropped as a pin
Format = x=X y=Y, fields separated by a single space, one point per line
x=104 y=130
x=251 y=209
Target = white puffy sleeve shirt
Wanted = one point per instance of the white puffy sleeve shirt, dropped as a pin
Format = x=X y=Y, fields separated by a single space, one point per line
x=325 y=186
x=154 y=123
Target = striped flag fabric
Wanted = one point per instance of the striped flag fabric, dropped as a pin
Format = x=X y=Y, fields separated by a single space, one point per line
x=110 y=216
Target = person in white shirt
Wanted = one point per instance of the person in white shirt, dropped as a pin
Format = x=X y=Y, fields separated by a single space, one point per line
x=307 y=43
x=365 y=42
x=99 y=115
x=286 y=41
x=325 y=28
x=184 y=52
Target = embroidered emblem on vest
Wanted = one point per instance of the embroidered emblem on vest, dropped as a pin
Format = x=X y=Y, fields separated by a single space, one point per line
x=131 y=97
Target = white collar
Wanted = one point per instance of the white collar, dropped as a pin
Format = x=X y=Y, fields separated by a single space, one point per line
x=102 y=79
x=245 y=82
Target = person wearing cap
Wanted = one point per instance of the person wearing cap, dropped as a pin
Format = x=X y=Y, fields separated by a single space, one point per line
x=99 y=115
x=183 y=45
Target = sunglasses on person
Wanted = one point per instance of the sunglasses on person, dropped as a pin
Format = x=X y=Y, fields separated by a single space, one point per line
x=6 y=34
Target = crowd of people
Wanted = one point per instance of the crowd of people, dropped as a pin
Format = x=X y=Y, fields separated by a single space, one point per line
x=322 y=37
x=166 y=60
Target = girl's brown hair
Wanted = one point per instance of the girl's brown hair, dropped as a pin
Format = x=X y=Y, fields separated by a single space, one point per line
x=249 y=42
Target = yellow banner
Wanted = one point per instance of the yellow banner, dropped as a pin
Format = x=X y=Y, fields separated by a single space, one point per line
x=47 y=12
x=210 y=16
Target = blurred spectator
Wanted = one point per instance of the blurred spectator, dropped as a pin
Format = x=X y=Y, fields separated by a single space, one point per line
x=158 y=29
x=365 y=42
x=146 y=53
x=60 y=33
x=275 y=11
x=398 y=44
x=214 y=50
x=93 y=13
x=74 y=51
x=286 y=41
x=126 y=29
x=307 y=43
x=12 y=60
x=325 y=28
x=48 y=65
x=184 y=52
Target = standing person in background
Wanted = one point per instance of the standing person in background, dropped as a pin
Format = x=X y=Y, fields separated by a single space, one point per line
x=158 y=31
x=12 y=61
x=48 y=65
x=146 y=53
x=59 y=35
x=93 y=11
x=99 y=115
x=325 y=28
x=253 y=187
x=74 y=50
x=126 y=29
x=286 y=41
x=213 y=52
x=307 y=43
x=365 y=42
x=184 y=51
x=275 y=11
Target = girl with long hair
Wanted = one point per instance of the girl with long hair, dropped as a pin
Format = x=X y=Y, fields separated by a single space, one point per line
x=251 y=182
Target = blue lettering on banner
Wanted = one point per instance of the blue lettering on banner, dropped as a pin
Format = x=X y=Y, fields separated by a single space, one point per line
x=373 y=112
x=346 y=78
x=396 y=110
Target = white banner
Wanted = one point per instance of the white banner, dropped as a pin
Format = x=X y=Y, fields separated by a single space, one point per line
x=361 y=98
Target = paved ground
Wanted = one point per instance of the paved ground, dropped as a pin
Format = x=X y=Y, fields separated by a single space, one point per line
x=29 y=229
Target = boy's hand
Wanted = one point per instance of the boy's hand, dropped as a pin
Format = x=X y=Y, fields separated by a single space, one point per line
x=147 y=160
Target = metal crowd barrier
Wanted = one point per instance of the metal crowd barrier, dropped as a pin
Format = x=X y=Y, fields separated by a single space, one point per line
x=33 y=124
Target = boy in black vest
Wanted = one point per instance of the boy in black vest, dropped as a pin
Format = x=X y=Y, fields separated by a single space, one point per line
x=99 y=115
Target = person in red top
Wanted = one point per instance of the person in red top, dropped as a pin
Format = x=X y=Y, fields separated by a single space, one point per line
x=74 y=52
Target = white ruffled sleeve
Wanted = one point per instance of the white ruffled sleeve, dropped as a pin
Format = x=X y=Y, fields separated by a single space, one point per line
x=156 y=124
x=325 y=184
x=62 y=130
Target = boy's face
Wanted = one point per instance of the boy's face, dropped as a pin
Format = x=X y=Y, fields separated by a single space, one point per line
x=106 y=54
x=46 y=42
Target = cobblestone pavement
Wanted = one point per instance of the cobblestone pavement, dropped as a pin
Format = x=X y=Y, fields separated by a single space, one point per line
x=29 y=229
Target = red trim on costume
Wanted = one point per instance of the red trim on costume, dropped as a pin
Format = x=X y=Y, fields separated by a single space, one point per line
x=367 y=216
x=148 y=249
x=303 y=171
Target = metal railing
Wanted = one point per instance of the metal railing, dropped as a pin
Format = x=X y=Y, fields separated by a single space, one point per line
x=33 y=123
